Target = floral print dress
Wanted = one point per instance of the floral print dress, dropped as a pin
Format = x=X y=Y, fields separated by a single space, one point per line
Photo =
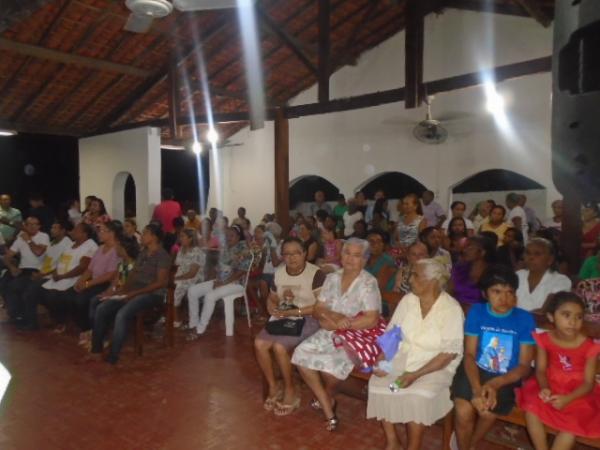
x=318 y=352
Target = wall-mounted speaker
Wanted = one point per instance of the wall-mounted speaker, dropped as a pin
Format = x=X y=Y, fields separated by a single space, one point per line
x=576 y=98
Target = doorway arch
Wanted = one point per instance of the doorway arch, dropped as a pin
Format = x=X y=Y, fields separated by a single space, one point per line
x=124 y=196
x=394 y=184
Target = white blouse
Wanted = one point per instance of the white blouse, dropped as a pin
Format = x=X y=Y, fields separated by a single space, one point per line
x=441 y=331
x=550 y=283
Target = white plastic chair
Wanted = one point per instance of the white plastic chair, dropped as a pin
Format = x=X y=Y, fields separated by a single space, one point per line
x=229 y=300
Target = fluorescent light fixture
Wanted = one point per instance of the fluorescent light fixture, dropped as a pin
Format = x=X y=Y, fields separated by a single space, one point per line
x=172 y=147
x=212 y=136
x=197 y=147
x=4 y=380
x=7 y=132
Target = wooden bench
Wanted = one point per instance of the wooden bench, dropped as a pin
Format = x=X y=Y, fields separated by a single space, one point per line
x=516 y=417
x=356 y=385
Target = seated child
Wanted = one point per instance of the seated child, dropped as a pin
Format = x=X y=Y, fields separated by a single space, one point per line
x=563 y=394
x=499 y=350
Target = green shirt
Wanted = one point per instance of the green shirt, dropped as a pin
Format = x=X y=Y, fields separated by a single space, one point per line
x=589 y=269
x=338 y=213
x=12 y=215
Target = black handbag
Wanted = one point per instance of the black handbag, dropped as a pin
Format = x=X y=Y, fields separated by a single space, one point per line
x=285 y=327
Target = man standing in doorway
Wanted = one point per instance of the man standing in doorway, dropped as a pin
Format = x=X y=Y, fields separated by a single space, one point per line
x=432 y=211
x=320 y=203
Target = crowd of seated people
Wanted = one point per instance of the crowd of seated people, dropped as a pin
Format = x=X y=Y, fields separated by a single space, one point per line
x=336 y=275
x=500 y=267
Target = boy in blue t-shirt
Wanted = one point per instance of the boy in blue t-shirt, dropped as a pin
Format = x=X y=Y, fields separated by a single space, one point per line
x=499 y=349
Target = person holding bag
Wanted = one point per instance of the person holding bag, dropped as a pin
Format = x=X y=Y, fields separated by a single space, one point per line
x=291 y=302
x=349 y=300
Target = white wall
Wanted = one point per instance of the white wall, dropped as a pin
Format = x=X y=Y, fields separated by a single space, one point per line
x=106 y=160
x=349 y=147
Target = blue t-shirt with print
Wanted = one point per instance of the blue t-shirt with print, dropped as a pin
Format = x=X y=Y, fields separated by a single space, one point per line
x=500 y=336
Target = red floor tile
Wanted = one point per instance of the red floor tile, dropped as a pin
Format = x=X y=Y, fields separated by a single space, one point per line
x=205 y=394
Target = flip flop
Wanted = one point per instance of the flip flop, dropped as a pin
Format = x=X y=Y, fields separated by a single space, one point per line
x=271 y=402
x=284 y=409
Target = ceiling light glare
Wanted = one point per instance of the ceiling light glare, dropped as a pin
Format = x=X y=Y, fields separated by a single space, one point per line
x=212 y=136
x=494 y=101
x=197 y=147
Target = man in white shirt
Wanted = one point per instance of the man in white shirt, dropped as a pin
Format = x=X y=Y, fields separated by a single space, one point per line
x=457 y=209
x=516 y=215
x=432 y=211
x=60 y=243
x=30 y=246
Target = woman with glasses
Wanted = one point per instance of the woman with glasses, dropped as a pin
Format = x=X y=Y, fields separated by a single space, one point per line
x=349 y=300
x=295 y=283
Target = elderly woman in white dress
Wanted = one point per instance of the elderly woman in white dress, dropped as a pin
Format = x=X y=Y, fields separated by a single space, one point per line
x=423 y=367
x=349 y=299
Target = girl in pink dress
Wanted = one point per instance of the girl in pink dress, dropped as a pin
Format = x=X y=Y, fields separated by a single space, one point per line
x=563 y=394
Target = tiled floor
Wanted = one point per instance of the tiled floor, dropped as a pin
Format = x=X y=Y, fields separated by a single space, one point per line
x=200 y=395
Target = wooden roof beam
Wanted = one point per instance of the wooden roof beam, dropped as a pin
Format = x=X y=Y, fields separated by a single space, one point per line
x=491 y=7
x=304 y=54
x=324 y=49
x=47 y=85
x=534 y=10
x=69 y=58
x=499 y=74
x=413 y=54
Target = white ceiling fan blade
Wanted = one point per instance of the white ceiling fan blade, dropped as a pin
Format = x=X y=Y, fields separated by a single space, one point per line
x=138 y=24
x=199 y=5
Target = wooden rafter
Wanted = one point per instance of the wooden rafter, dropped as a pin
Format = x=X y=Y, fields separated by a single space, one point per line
x=88 y=76
x=324 y=49
x=227 y=83
x=160 y=76
x=69 y=58
x=306 y=81
x=413 y=53
x=488 y=6
x=534 y=10
x=46 y=85
x=370 y=10
x=115 y=82
x=304 y=54
x=499 y=74
x=9 y=84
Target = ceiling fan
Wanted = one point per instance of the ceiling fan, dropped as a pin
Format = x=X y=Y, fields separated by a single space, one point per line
x=143 y=12
x=430 y=131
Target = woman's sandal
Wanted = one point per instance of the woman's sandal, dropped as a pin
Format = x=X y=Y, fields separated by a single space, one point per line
x=284 y=409
x=332 y=423
x=316 y=405
x=271 y=402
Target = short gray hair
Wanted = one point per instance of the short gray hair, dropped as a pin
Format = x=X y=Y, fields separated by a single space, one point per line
x=435 y=270
x=366 y=249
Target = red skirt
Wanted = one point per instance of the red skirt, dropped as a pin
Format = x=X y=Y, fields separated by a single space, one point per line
x=581 y=417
